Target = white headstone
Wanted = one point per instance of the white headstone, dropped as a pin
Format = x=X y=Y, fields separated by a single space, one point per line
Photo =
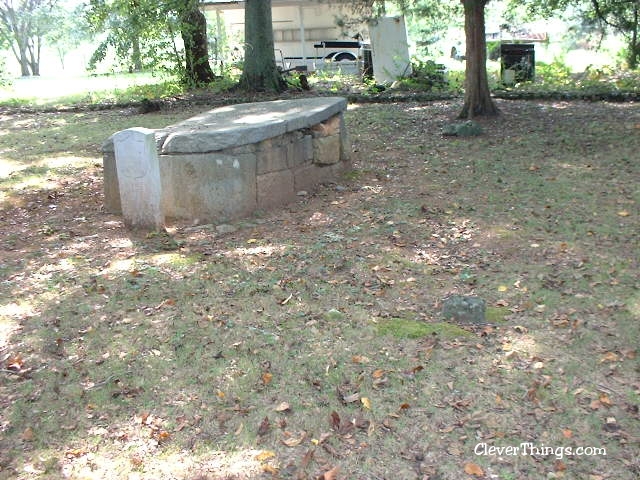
x=390 y=49
x=139 y=178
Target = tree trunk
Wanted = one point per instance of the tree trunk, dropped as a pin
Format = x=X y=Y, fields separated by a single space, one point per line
x=25 y=71
x=193 y=26
x=61 y=55
x=34 y=55
x=259 y=72
x=634 y=48
x=136 y=55
x=19 y=46
x=477 y=97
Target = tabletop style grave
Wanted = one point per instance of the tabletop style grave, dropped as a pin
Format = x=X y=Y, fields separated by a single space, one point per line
x=231 y=161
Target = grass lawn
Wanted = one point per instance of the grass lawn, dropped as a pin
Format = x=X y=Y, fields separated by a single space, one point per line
x=309 y=344
x=64 y=90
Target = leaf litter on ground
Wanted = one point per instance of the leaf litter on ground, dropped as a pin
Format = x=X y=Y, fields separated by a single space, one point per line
x=267 y=340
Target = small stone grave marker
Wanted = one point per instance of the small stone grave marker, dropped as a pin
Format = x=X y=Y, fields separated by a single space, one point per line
x=139 y=178
x=464 y=309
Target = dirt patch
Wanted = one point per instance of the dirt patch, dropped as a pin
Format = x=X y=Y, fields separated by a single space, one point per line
x=259 y=353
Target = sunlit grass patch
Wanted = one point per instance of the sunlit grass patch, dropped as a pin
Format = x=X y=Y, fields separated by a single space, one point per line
x=52 y=91
x=175 y=260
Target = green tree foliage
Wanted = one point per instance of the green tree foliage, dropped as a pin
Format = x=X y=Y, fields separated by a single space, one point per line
x=23 y=26
x=71 y=29
x=142 y=33
x=430 y=19
x=138 y=31
x=621 y=16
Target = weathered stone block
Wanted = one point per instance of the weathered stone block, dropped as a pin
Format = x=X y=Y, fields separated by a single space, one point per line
x=272 y=156
x=111 y=188
x=345 y=141
x=139 y=178
x=326 y=150
x=209 y=187
x=340 y=168
x=251 y=148
x=464 y=309
x=304 y=113
x=300 y=151
x=327 y=128
x=275 y=188
x=308 y=177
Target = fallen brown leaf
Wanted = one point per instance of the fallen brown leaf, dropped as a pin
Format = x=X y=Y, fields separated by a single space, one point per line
x=264 y=427
x=335 y=420
x=473 y=469
x=75 y=453
x=330 y=474
x=15 y=363
x=266 y=455
x=360 y=359
x=605 y=400
x=354 y=397
x=269 y=469
x=28 y=435
x=307 y=459
x=294 y=441
x=609 y=357
x=283 y=407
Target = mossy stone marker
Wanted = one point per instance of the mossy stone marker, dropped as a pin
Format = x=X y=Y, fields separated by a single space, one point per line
x=139 y=178
x=464 y=309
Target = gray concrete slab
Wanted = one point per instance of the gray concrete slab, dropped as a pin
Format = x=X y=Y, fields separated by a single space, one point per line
x=248 y=123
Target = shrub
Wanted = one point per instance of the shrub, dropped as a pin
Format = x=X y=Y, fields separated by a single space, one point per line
x=426 y=76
